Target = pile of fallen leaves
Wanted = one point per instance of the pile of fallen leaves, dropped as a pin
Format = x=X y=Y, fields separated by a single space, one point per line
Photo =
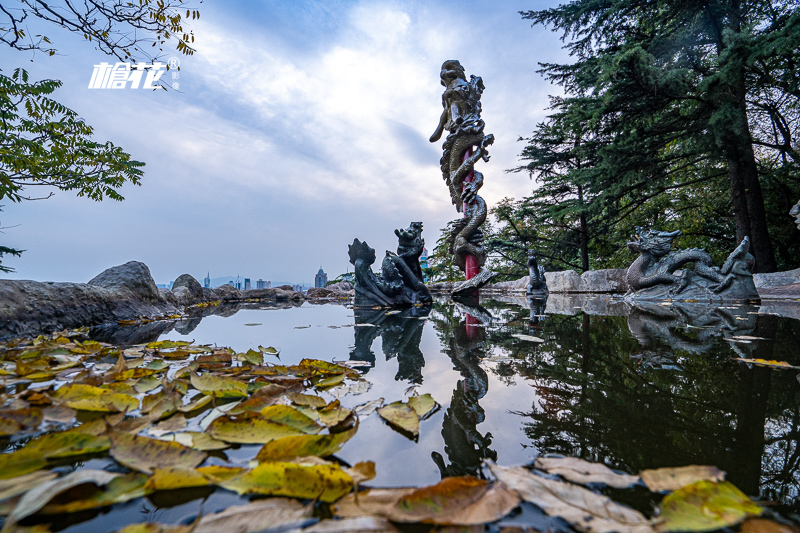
x=159 y=409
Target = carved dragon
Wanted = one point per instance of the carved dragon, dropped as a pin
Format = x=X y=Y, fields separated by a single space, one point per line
x=461 y=117
x=400 y=282
x=537 y=284
x=653 y=272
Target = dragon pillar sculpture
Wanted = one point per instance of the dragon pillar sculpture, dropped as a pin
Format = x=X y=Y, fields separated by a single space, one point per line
x=795 y=212
x=659 y=273
x=400 y=282
x=465 y=144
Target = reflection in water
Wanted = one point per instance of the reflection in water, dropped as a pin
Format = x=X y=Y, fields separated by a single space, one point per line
x=400 y=332
x=661 y=387
x=465 y=446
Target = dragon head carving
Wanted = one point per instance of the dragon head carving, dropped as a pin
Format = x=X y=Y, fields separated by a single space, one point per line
x=655 y=243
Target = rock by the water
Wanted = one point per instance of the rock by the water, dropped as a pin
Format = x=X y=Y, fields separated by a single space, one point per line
x=516 y=285
x=776 y=279
x=121 y=292
x=192 y=286
x=133 y=277
x=285 y=288
x=610 y=280
x=227 y=292
x=320 y=292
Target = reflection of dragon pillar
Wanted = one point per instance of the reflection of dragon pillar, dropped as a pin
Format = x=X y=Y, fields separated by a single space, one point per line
x=465 y=144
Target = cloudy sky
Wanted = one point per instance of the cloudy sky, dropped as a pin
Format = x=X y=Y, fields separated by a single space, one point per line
x=297 y=127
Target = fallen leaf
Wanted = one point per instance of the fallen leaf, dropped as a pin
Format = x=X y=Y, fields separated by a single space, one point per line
x=289 y=416
x=669 y=479
x=306 y=400
x=325 y=482
x=67 y=444
x=366 y=409
x=583 y=472
x=39 y=496
x=88 y=398
x=423 y=405
x=287 y=448
x=172 y=424
x=175 y=477
x=764 y=362
x=20 y=463
x=585 y=510
x=118 y=490
x=762 y=525
x=144 y=455
x=361 y=472
x=198 y=441
x=20 y=485
x=361 y=524
x=462 y=500
x=219 y=386
x=250 y=430
x=704 y=506
x=272 y=514
x=401 y=416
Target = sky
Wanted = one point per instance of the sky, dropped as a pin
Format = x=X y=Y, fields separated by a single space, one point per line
x=297 y=127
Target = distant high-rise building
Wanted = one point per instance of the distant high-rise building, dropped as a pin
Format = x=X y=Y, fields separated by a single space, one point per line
x=247 y=286
x=207 y=281
x=423 y=262
x=261 y=284
x=321 y=278
x=231 y=283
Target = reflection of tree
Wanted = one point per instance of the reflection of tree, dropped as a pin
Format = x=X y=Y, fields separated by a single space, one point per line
x=600 y=398
x=400 y=332
x=465 y=446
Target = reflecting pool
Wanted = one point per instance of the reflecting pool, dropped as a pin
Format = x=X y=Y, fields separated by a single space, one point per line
x=634 y=387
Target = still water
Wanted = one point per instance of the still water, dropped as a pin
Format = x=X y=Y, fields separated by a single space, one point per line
x=634 y=387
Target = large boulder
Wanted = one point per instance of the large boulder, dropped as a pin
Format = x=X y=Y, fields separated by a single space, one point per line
x=321 y=292
x=133 y=277
x=563 y=281
x=192 y=290
x=517 y=285
x=227 y=292
x=610 y=280
x=776 y=279
x=121 y=292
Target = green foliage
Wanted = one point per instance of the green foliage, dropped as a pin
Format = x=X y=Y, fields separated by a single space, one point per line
x=43 y=143
x=126 y=30
x=666 y=106
x=440 y=260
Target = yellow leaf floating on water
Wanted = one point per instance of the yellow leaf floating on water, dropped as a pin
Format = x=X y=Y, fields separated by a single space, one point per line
x=88 y=398
x=176 y=477
x=764 y=362
x=118 y=490
x=67 y=444
x=401 y=416
x=274 y=514
x=287 y=448
x=327 y=482
x=423 y=405
x=462 y=500
x=289 y=416
x=306 y=400
x=254 y=430
x=20 y=463
x=219 y=386
x=664 y=479
x=704 y=506
x=144 y=455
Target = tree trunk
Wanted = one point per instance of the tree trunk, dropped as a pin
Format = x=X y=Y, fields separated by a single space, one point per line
x=584 y=234
x=748 y=201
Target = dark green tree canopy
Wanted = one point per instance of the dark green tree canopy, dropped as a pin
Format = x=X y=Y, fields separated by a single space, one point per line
x=664 y=102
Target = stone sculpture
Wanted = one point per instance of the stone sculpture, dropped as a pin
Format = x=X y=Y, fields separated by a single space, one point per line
x=795 y=212
x=400 y=282
x=659 y=273
x=465 y=144
x=537 y=286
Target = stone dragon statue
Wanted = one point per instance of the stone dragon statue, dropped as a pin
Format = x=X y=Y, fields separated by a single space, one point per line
x=654 y=274
x=400 y=282
x=795 y=212
x=461 y=117
x=537 y=284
